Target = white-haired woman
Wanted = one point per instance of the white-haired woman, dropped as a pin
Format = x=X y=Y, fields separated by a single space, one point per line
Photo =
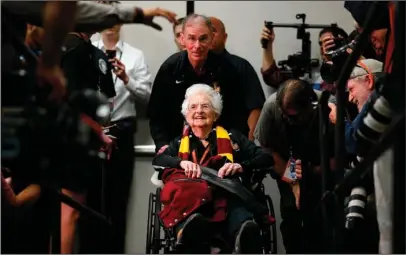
x=189 y=202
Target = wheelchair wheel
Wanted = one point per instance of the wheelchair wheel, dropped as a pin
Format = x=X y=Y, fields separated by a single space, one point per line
x=153 y=242
x=270 y=240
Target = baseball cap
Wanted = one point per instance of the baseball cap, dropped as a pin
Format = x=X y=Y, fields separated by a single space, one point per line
x=366 y=66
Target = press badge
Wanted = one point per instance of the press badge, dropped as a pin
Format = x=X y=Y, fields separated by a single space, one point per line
x=289 y=175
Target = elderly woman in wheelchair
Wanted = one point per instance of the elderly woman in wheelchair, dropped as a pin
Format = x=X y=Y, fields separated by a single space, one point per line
x=195 y=209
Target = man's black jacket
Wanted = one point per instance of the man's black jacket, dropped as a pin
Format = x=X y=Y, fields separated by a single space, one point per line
x=168 y=92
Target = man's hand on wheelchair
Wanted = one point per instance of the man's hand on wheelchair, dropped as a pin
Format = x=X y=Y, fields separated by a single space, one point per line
x=229 y=169
x=192 y=170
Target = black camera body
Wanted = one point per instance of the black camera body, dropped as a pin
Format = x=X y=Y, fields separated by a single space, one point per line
x=40 y=140
x=298 y=64
x=39 y=137
x=330 y=71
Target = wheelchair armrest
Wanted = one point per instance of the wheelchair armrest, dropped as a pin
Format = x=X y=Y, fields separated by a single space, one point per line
x=235 y=187
x=156 y=181
x=258 y=175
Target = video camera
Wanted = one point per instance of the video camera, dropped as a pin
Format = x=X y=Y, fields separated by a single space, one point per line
x=40 y=138
x=300 y=63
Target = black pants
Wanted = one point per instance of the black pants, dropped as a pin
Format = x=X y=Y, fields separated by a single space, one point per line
x=109 y=195
x=119 y=175
x=301 y=235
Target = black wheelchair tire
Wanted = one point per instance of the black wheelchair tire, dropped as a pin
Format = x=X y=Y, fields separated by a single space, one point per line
x=149 y=224
x=272 y=239
x=156 y=241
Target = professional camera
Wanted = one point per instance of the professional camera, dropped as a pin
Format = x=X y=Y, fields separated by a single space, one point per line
x=331 y=69
x=40 y=140
x=300 y=63
x=356 y=207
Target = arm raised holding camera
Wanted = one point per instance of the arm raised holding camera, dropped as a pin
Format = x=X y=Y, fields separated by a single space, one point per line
x=271 y=74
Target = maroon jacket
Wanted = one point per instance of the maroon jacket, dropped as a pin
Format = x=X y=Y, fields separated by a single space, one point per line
x=181 y=196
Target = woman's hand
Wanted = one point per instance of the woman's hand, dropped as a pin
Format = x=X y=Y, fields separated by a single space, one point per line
x=192 y=170
x=229 y=169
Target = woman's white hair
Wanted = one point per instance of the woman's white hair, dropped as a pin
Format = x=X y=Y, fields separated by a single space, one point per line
x=215 y=98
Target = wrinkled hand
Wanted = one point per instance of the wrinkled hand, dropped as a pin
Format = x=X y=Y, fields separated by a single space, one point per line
x=268 y=35
x=108 y=144
x=229 y=169
x=119 y=69
x=296 y=192
x=298 y=169
x=333 y=113
x=150 y=13
x=54 y=77
x=192 y=170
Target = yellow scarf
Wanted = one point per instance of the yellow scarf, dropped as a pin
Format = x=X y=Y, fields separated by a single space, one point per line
x=224 y=147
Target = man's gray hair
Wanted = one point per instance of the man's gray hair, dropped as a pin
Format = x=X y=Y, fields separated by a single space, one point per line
x=197 y=18
x=216 y=100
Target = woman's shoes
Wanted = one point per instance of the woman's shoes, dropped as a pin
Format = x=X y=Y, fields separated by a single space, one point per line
x=194 y=235
x=248 y=239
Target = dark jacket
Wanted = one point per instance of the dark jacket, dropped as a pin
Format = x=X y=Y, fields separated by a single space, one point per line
x=253 y=93
x=182 y=196
x=85 y=66
x=176 y=75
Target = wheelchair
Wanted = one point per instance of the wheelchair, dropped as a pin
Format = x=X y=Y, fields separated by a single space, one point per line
x=158 y=241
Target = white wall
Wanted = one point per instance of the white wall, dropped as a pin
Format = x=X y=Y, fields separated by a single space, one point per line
x=243 y=21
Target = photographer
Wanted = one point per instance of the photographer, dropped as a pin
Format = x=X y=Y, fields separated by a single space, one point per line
x=390 y=97
x=288 y=129
x=272 y=74
x=361 y=85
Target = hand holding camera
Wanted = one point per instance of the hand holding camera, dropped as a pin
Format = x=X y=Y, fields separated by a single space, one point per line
x=267 y=36
x=327 y=44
